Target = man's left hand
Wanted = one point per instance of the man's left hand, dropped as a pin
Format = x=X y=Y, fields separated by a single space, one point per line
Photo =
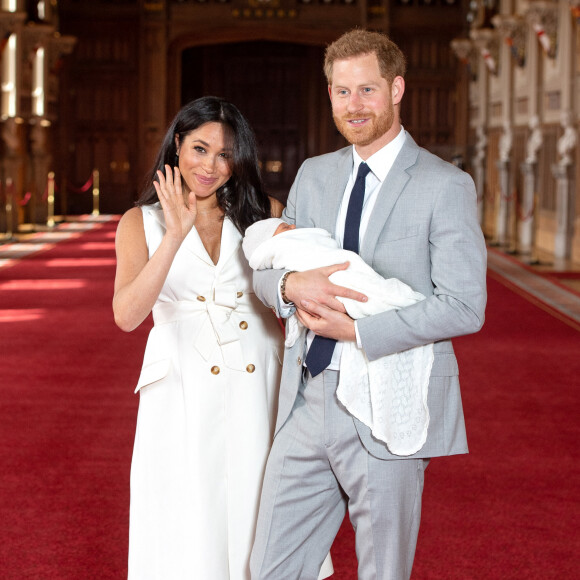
x=325 y=321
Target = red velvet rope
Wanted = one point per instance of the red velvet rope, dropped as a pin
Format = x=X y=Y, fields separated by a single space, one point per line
x=27 y=197
x=82 y=189
x=509 y=197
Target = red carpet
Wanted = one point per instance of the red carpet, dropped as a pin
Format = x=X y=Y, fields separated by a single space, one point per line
x=67 y=415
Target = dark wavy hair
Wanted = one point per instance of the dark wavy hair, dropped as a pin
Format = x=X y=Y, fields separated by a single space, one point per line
x=242 y=198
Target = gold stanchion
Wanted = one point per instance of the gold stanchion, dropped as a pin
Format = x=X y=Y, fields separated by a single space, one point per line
x=50 y=199
x=96 y=192
x=63 y=198
x=9 y=207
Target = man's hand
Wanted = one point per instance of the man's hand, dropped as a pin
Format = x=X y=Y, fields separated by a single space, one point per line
x=314 y=286
x=317 y=307
x=325 y=321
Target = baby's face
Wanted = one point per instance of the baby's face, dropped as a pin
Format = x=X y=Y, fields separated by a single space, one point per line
x=284 y=227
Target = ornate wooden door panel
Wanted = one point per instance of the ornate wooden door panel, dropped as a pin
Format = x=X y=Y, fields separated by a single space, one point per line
x=270 y=84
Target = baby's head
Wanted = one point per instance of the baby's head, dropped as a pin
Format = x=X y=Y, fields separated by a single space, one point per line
x=261 y=231
x=284 y=227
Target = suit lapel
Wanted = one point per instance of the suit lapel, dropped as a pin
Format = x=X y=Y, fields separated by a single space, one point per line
x=391 y=189
x=334 y=190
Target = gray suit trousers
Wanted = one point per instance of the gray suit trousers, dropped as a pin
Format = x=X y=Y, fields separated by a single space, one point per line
x=317 y=468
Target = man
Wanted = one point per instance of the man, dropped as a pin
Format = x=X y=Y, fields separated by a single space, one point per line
x=418 y=223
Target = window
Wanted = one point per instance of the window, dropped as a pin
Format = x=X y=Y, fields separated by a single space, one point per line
x=9 y=78
x=38 y=87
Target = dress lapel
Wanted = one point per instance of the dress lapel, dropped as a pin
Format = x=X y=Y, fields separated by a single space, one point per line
x=230 y=243
x=194 y=244
x=229 y=240
x=390 y=191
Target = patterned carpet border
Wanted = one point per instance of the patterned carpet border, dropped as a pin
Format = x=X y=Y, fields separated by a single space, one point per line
x=546 y=292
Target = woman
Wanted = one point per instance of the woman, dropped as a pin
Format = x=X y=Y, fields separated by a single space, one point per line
x=208 y=387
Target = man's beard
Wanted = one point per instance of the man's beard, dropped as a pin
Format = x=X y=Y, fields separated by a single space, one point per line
x=375 y=127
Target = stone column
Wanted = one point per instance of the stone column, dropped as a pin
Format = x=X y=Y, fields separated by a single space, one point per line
x=564 y=193
x=465 y=50
x=485 y=44
x=501 y=223
x=529 y=172
x=506 y=200
x=564 y=224
x=479 y=170
x=528 y=208
x=506 y=26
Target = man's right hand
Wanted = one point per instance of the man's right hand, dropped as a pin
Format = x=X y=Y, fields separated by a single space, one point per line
x=315 y=285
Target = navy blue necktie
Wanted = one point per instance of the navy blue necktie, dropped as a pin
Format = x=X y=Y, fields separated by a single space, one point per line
x=320 y=351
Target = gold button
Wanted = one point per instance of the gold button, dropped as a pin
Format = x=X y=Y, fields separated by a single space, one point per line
x=250 y=368
x=239 y=294
x=299 y=361
x=201 y=298
x=243 y=325
x=215 y=370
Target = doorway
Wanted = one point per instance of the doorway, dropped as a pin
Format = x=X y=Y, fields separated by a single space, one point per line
x=281 y=90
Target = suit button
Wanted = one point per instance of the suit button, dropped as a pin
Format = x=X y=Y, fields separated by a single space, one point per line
x=239 y=294
x=201 y=298
x=299 y=361
x=243 y=325
x=215 y=370
x=250 y=368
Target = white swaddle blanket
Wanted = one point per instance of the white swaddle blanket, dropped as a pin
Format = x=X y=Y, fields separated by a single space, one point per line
x=389 y=394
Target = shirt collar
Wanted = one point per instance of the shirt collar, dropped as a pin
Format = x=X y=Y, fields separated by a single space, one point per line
x=380 y=162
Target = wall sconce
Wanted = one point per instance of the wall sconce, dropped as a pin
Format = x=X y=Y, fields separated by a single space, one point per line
x=274 y=166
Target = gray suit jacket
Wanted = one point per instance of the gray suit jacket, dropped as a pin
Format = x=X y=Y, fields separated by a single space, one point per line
x=424 y=231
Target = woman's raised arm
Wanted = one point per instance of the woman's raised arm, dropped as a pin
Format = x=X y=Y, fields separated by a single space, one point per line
x=138 y=280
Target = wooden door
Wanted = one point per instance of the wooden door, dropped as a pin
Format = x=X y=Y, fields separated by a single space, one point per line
x=280 y=89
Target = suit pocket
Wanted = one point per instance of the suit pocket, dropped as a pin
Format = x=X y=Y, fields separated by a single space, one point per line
x=444 y=365
x=153 y=372
x=393 y=234
x=398 y=250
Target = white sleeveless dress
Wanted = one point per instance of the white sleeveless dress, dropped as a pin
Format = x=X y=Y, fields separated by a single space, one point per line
x=208 y=398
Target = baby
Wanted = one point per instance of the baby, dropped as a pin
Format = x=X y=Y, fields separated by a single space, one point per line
x=272 y=243
x=389 y=394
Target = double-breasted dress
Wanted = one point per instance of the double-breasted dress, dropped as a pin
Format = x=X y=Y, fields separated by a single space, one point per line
x=208 y=399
